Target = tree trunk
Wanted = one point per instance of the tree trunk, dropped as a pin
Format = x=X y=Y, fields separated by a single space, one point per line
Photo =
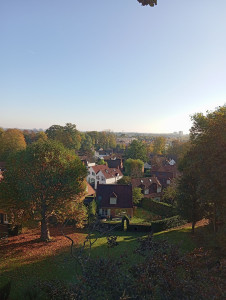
x=214 y=218
x=45 y=236
x=193 y=227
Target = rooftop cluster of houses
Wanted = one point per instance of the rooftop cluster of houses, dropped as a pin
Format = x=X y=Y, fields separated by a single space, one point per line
x=112 y=197
x=116 y=198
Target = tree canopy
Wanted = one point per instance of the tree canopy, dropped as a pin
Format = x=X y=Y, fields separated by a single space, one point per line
x=11 y=140
x=206 y=162
x=136 y=150
x=68 y=135
x=148 y=2
x=134 y=167
x=43 y=179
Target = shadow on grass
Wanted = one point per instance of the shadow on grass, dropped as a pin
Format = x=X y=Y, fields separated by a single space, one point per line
x=65 y=268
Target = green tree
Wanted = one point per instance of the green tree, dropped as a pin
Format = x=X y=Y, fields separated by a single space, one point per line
x=44 y=179
x=101 y=162
x=203 y=167
x=208 y=138
x=170 y=193
x=134 y=167
x=189 y=201
x=177 y=150
x=136 y=150
x=159 y=145
x=124 y=180
x=86 y=144
x=137 y=195
x=11 y=140
x=95 y=138
x=68 y=135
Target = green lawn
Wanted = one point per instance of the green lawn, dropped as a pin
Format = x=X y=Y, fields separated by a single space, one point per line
x=64 y=267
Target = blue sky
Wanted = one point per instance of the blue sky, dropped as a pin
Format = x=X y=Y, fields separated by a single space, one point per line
x=116 y=65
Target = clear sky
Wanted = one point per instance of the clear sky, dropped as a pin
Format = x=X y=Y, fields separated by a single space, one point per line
x=116 y=65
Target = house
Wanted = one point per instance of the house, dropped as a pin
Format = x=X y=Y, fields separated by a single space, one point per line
x=90 y=194
x=2 y=166
x=87 y=161
x=165 y=174
x=114 y=200
x=147 y=166
x=102 y=153
x=102 y=174
x=115 y=163
x=150 y=187
x=172 y=162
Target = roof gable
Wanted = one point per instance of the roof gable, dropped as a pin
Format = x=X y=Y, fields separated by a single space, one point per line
x=122 y=192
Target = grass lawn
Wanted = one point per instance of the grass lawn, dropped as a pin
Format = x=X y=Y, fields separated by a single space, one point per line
x=142 y=216
x=24 y=260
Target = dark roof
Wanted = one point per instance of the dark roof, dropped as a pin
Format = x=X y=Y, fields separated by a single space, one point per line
x=123 y=193
x=165 y=171
x=114 y=163
x=86 y=159
x=146 y=181
x=105 y=152
x=2 y=164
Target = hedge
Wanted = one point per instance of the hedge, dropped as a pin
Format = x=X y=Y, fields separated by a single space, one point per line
x=139 y=227
x=167 y=223
x=158 y=208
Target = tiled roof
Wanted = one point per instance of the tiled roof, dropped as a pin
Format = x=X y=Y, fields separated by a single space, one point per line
x=89 y=191
x=2 y=164
x=146 y=181
x=123 y=193
x=114 y=163
x=107 y=172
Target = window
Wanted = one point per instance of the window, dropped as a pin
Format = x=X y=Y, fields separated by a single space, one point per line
x=104 y=212
x=102 y=178
x=98 y=177
x=113 y=200
x=146 y=191
x=93 y=173
x=99 y=198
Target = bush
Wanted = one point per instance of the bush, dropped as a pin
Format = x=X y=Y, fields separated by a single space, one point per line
x=139 y=227
x=167 y=223
x=14 y=230
x=158 y=208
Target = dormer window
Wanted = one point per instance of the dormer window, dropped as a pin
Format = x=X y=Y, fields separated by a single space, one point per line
x=146 y=191
x=113 y=199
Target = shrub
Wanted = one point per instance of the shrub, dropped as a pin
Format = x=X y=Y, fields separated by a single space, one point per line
x=167 y=223
x=158 y=208
x=139 y=227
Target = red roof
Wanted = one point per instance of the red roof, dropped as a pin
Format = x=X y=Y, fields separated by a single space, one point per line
x=107 y=172
x=90 y=191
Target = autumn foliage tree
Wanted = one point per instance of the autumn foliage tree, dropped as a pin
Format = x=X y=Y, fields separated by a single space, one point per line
x=44 y=179
x=11 y=140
